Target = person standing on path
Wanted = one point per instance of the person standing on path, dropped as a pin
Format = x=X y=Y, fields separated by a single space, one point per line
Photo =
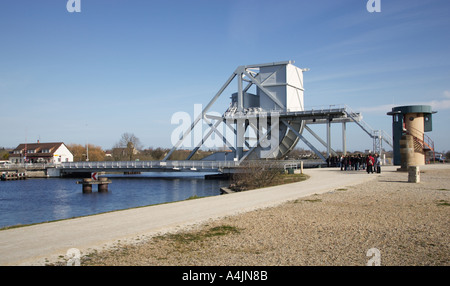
x=378 y=163
x=370 y=162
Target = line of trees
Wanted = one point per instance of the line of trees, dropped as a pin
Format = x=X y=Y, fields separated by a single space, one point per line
x=85 y=153
x=129 y=148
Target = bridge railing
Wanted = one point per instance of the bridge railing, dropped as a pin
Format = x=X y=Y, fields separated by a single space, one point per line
x=26 y=166
x=149 y=165
x=168 y=165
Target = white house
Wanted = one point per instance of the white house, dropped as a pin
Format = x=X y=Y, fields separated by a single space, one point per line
x=55 y=153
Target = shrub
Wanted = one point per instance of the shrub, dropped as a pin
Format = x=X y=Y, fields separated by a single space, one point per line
x=257 y=174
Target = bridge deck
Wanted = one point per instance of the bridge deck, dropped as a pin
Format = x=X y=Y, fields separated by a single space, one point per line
x=55 y=170
x=161 y=166
x=147 y=166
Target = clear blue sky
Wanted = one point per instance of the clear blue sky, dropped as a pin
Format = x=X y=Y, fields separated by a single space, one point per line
x=128 y=66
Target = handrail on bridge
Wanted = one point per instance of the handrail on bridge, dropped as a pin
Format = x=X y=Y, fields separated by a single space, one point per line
x=185 y=164
x=15 y=166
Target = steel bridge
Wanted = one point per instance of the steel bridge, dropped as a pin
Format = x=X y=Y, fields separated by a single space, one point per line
x=223 y=167
x=83 y=168
x=147 y=166
x=276 y=111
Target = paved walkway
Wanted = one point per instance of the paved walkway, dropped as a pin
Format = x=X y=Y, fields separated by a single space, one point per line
x=36 y=244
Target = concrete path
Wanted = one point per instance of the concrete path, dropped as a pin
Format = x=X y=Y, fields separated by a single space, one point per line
x=36 y=244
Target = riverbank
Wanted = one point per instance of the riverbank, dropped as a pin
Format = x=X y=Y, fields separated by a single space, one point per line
x=407 y=223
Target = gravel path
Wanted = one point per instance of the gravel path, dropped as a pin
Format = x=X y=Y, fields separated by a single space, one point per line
x=407 y=223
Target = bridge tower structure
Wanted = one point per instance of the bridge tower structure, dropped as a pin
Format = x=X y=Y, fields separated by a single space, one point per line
x=263 y=123
x=266 y=116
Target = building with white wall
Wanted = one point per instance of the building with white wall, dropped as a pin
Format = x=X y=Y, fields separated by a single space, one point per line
x=52 y=153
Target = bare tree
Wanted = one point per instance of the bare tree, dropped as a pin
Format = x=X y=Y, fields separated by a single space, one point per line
x=128 y=146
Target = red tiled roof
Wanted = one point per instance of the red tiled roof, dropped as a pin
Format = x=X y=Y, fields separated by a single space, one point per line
x=38 y=148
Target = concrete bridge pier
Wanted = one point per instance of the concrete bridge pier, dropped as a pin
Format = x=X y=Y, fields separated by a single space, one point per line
x=103 y=185
x=53 y=172
x=88 y=182
x=87 y=186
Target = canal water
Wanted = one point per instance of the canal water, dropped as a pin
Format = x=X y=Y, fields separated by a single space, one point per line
x=40 y=200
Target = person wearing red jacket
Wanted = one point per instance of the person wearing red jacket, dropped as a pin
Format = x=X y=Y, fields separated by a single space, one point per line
x=370 y=162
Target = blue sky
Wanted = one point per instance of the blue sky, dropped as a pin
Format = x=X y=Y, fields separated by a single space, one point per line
x=128 y=66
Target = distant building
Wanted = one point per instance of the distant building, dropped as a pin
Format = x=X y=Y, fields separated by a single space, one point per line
x=108 y=154
x=55 y=153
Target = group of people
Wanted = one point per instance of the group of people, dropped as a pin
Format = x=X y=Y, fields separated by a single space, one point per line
x=356 y=162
